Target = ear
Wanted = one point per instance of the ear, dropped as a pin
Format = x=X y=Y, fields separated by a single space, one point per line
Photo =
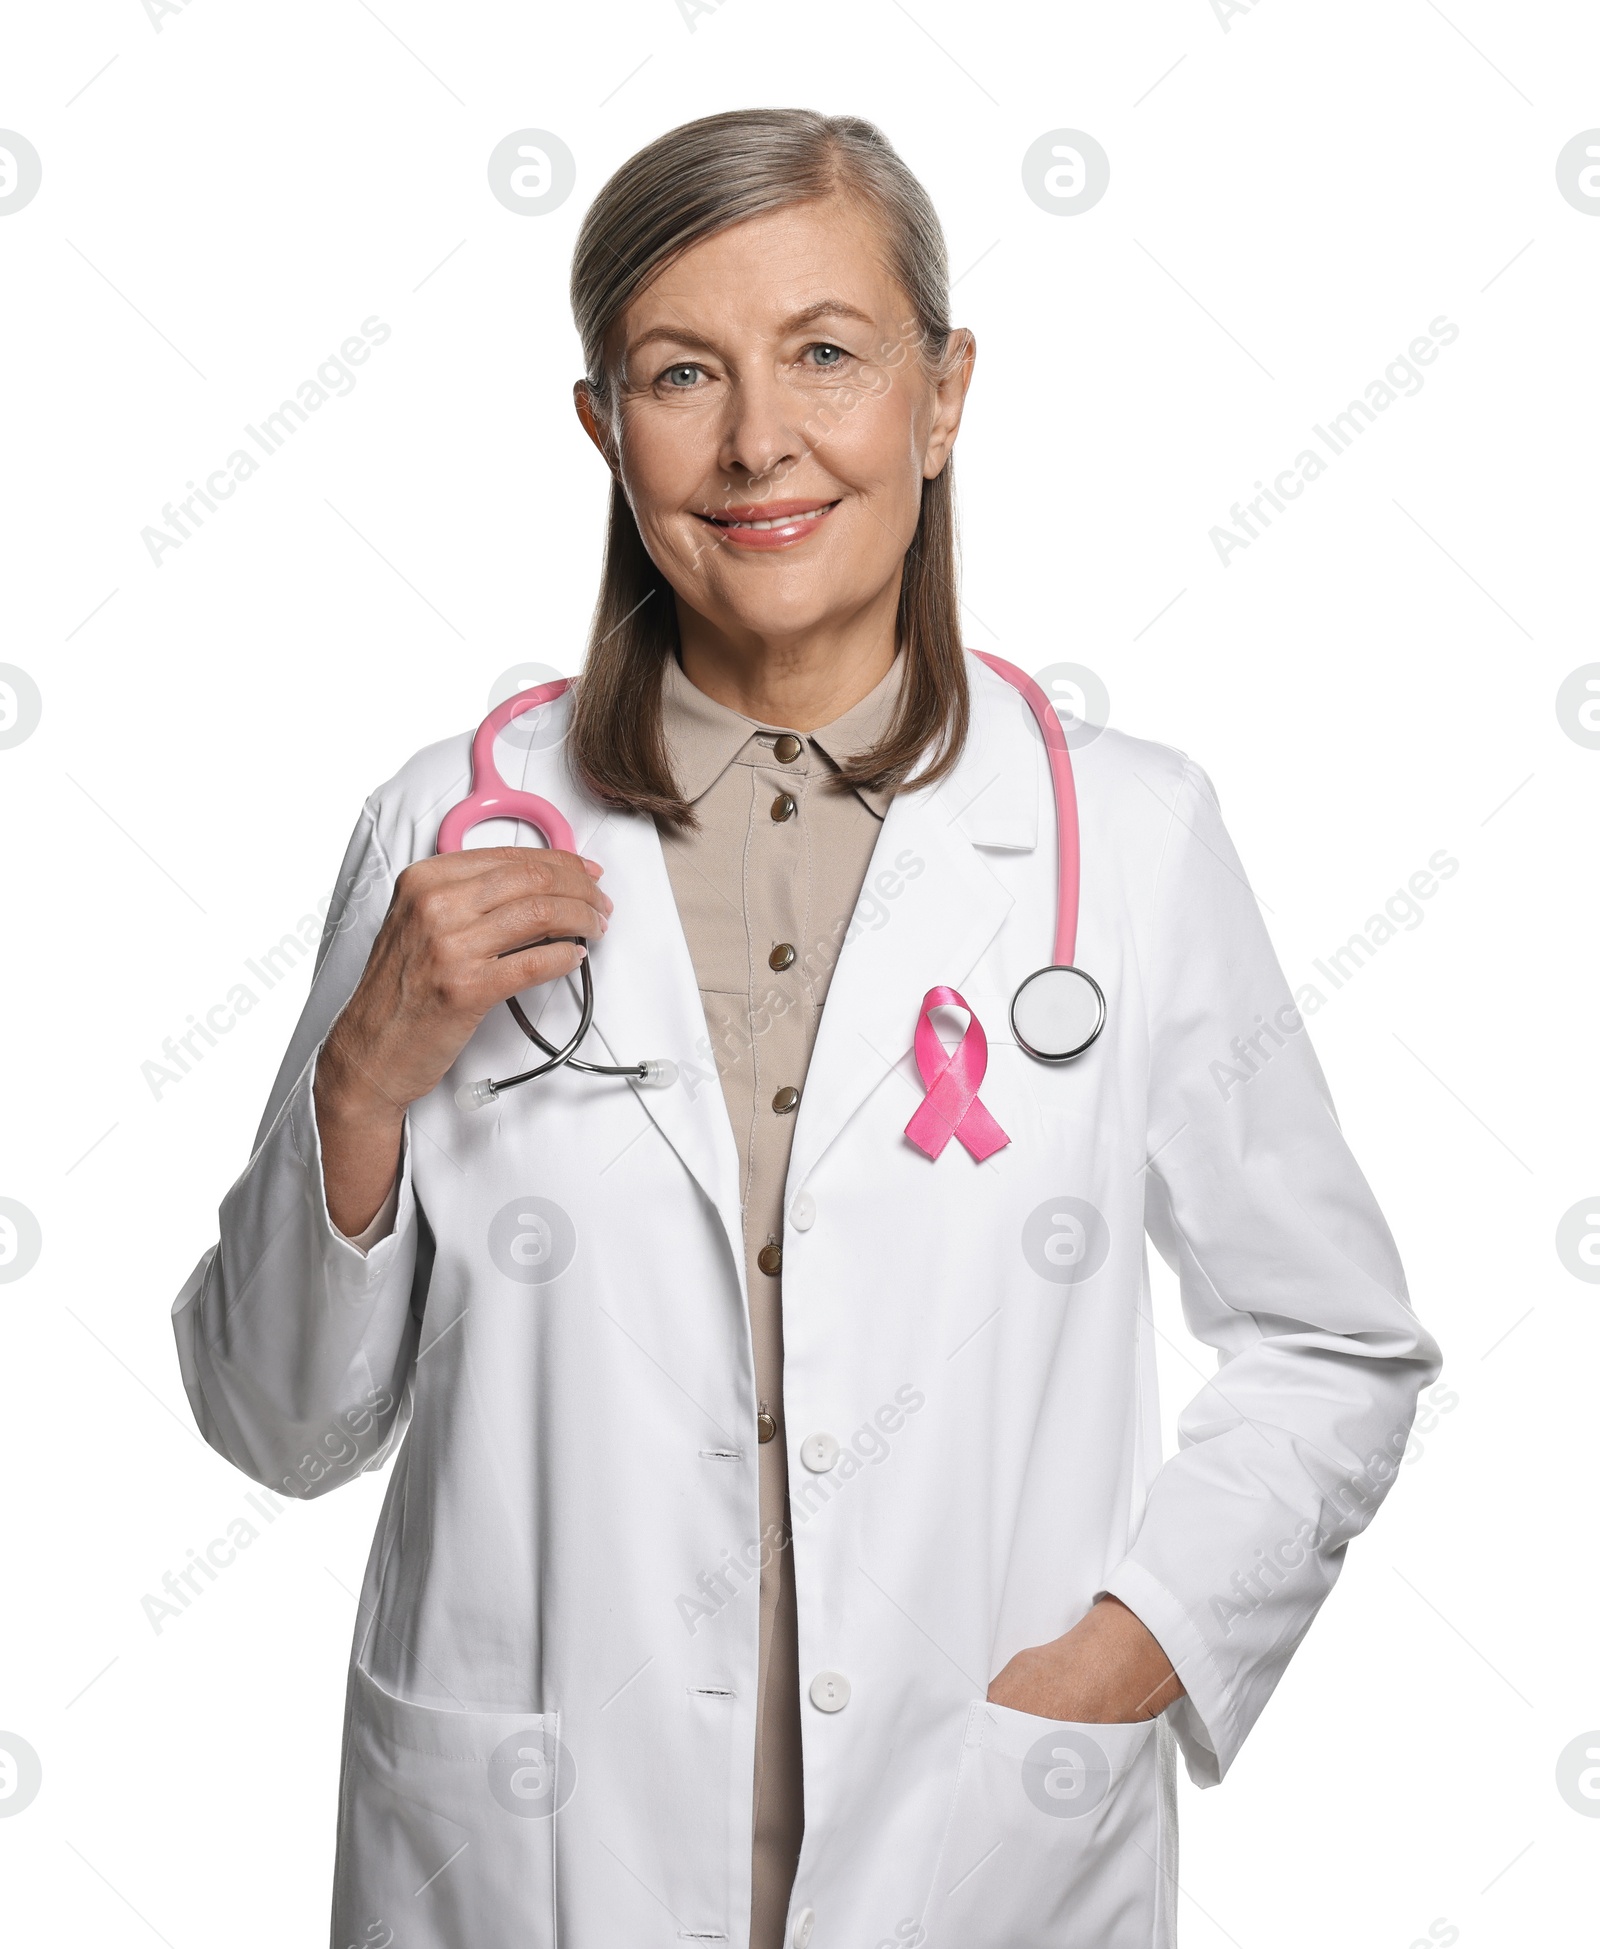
x=597 y=431
x=950 y=394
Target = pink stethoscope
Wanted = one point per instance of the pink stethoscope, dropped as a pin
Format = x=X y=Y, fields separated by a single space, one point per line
x=1056 y=1013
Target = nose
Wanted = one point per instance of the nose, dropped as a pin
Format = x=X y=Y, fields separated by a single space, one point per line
x=761 y=439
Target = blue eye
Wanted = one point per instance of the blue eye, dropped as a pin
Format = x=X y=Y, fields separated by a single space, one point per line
x=681 y=376
x=828 y=354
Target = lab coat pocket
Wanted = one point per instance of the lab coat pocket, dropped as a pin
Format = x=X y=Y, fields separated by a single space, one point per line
x=1052 y=1839
x=447 y=1823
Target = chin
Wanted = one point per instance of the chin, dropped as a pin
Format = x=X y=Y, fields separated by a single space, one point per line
x=774 y=619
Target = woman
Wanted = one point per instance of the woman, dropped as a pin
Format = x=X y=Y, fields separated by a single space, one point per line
x=781 y=1546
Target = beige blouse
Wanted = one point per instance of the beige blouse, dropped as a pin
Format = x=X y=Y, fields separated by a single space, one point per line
x=765 y=886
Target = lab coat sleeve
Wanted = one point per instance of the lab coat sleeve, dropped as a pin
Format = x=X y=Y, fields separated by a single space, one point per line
x=1287 y=1269
x=295 y=1345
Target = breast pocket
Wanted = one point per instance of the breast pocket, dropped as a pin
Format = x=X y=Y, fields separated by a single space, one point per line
x=447 y=1824
x=1054 y=1839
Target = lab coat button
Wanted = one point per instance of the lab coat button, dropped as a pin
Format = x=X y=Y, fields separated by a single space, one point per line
x=781 y=957
x=802 y=1211
x=819 y=1453
x=830 y=1691
x=803 y=1924
x=786 y=1099
x=783 y=807
x=786 y=749
x=770 y=1259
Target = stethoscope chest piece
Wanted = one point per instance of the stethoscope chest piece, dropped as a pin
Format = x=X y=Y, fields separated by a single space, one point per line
x=1057 y=1013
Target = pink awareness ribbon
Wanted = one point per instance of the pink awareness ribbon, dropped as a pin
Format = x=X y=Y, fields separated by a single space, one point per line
x=952 y=1077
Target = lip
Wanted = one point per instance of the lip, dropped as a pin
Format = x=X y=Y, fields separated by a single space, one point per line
x=792 y=521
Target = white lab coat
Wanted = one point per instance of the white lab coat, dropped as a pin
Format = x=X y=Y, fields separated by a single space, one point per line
x=551 y=1709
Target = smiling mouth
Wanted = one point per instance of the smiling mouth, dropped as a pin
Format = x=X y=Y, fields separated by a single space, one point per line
x=770 y=524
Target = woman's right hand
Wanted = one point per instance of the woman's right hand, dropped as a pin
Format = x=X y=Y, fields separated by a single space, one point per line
x=441 y=962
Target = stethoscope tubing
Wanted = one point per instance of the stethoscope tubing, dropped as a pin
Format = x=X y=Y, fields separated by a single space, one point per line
x=564 y=1054
x=490 y=797
x=1066 y=797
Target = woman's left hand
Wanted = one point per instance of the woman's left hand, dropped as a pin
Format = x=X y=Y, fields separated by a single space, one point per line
x=1106 y=1670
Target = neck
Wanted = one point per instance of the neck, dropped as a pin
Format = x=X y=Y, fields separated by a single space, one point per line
x=801 y=681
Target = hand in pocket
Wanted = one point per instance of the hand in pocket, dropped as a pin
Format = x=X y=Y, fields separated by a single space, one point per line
x=1107 y=1670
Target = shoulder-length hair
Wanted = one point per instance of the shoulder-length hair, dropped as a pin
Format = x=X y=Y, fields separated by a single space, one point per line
x=685 y=186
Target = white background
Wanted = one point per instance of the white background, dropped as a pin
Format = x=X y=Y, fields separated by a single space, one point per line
x=1295 y=194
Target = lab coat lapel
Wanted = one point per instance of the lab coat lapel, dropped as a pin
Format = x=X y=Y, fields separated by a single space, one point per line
x=935 y=928
x=647 y=1004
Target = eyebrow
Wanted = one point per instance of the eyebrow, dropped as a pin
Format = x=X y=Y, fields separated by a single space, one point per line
x=679 y=335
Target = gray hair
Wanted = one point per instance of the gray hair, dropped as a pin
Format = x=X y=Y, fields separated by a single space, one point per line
x=706 y=175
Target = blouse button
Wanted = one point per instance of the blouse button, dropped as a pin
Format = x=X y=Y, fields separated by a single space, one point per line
x=786 y=749
x=782 y=956
x=785 y=1100
x=783 y=807
x=770 y=1260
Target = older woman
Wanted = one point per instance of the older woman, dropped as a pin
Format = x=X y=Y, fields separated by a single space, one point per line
x=780 y=1548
